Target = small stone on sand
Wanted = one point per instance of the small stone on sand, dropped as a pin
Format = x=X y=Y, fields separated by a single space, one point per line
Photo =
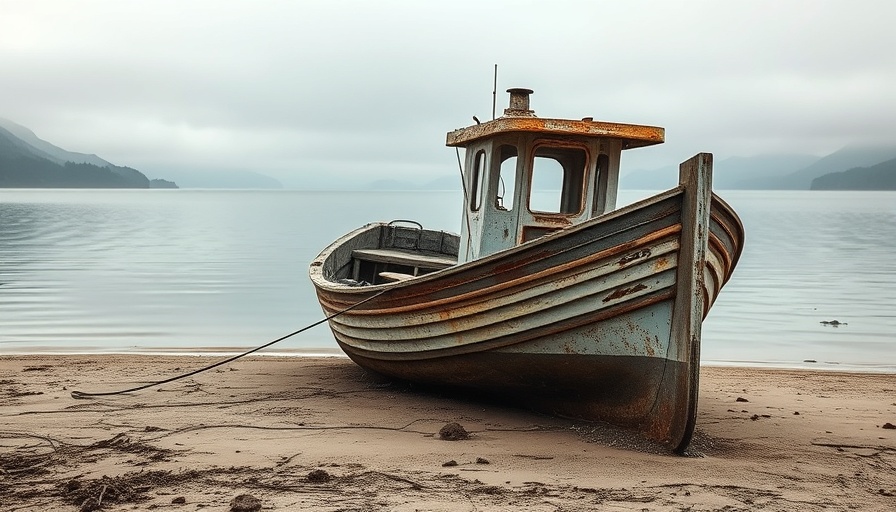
x=318 y=476
x=245 y=503
x=453 y=432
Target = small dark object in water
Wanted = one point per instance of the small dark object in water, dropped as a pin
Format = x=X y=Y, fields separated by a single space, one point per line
x=809 y=361
x=180 y=500
x=449 y=464
x=318 y=476
x=889 y=426
x=833 y=323
x=754 y=417
x=245 y=503
x=453 y=432
x=741 y=399
x=480 y=460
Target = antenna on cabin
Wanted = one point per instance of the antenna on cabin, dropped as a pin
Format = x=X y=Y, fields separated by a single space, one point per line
x=495 y=92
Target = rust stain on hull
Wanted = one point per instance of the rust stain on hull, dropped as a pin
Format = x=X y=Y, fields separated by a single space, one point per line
x=622 y=292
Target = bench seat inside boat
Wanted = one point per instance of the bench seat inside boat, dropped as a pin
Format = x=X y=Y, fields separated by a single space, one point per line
x=405 y=257
x=398 y=264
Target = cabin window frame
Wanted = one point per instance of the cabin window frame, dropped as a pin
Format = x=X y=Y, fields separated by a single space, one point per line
x=503 y=193
x=478 y=181
x=587 y=172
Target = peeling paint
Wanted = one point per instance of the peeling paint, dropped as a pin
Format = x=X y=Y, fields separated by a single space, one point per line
x=622 y=292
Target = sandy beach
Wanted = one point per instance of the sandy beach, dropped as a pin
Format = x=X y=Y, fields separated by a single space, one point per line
x=321 y=434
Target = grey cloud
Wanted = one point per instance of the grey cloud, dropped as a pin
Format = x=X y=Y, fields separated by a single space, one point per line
x=288 y=88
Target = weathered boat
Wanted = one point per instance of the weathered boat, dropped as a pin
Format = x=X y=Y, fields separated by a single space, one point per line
x=568 y=306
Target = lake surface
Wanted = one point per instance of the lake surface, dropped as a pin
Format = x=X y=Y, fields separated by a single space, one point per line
x=203 y=271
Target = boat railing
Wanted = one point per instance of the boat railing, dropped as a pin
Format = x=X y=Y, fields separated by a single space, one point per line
x=394 y=233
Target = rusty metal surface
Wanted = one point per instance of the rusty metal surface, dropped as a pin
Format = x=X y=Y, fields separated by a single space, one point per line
x=633 y=135
x=575 y=293
x=518 y=117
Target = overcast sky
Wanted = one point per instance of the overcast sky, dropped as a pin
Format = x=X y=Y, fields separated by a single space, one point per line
x=338 y=89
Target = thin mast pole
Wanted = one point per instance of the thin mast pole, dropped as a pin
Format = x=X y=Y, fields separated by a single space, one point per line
x=495 y=92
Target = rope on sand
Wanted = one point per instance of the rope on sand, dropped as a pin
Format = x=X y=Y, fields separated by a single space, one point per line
x=85 y=395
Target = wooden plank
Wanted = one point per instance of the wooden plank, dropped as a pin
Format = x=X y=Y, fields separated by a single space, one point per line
x=406 y=258
x=395 y=276
x=695 y=175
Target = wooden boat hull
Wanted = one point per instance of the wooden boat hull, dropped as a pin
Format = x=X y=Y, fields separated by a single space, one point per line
x=600 y=321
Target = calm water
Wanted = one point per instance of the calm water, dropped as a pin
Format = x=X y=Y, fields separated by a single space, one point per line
x=190 y=270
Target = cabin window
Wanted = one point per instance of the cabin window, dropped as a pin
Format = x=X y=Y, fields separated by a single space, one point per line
x=477 y=181
x=558 y=180
x=547 y=182
x=507 y=178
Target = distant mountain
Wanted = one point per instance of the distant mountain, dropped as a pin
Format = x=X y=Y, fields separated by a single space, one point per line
x=877 y=177
x=768 y=172
x=47 y=150
x=160 y=183
x=759 y=172
x=446 y=182
x=754 y=172
x=849 y=157
x=27 y=161
x=188 y=178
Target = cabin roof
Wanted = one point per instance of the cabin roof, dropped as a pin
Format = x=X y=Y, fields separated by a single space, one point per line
x=633 y=135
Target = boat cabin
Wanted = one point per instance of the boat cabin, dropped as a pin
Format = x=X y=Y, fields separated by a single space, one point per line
x=526 y=176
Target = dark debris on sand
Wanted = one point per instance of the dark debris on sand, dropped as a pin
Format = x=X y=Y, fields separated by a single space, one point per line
x=123 y=443
x=245 y=503
x=21 y=465
x=318 y=476
x=453 y=432
x=95 y=494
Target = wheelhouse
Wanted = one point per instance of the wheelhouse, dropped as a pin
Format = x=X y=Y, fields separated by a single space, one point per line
x=525 y=177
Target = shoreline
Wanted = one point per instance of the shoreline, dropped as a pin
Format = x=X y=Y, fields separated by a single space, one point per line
x=325 y=352
x=306 y=433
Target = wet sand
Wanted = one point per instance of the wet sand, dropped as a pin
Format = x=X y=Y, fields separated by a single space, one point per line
x=321 y=434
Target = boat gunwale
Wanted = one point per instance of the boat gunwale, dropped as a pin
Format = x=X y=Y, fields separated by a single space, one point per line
x=523 y=282
x=519 y=291
x=640 y=279
x=322 y=282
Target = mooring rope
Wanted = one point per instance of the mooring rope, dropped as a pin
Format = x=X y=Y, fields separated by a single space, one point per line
x=84 y=395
